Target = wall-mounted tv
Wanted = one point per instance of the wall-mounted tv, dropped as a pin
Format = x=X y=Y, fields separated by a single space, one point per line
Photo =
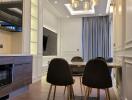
x=49 y=42
x=11 y=15
x=45 y=38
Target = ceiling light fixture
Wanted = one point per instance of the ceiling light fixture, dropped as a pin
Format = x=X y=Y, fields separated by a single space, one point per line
x=75 y=4
x=86 y=4
x=68 y=16
x=55 y=2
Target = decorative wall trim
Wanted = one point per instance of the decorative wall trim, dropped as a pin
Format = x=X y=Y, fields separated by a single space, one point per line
x=128 y=46
x=117 y=49
x=128 y=56
x=50 y=28
x=70 y=52
x=128 y=61
x=128 y=42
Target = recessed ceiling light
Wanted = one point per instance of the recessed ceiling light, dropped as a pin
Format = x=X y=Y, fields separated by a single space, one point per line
x=68 y=16
x=55 y=2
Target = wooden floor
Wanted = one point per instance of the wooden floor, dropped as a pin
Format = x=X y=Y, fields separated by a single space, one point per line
x=39 y=91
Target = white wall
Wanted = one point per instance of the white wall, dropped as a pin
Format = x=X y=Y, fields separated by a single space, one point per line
x=52 y=22
x=67 y=29
x=128 y=52
x=118 y=33
x=71 y=37
x=123 y=46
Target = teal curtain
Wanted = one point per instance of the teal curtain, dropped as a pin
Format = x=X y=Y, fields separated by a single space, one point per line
x=96 y=37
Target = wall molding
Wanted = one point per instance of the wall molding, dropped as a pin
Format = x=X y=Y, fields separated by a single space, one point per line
x=128 y=61
x=50 y=28
x=128 y=45
x=128 y=56
x=70 y=52
x=128 y=42
x=119 y=48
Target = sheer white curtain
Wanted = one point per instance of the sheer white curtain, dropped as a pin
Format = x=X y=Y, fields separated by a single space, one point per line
x=96 y=37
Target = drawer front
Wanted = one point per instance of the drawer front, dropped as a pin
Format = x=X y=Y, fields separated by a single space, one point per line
x=22 y=60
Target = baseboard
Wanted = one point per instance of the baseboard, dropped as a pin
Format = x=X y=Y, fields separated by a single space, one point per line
x=36 y=79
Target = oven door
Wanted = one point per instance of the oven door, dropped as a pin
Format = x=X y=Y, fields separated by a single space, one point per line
x=5 y=74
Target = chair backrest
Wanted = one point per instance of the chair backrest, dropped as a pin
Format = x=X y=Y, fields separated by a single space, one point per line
x=59 y=72
x=101 y=58
x=96 y=74
x=77 y=59
x=109 y=60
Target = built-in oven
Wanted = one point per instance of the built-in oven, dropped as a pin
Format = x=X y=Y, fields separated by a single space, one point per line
x=5 y=74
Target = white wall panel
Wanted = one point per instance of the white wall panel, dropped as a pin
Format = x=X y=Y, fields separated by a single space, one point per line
x=128 y=20
x=71 y=38
x=50 y=20
x=123 y=48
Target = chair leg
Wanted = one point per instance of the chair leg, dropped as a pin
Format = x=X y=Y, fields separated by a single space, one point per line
x=84 y=88
x=64 y=90
x=90 y=91
x=98 y=94
x=72 y=92
x=49 y=92
x=54 y=93
x=107 y=94
x=68 y=93
x=81 y=85
x=87 y=92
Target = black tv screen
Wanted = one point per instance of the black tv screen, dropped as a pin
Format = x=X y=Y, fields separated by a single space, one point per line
x=49 y=42
x=45 y=38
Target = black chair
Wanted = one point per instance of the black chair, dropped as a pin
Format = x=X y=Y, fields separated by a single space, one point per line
x=96 y=75
x=108 y=60
x=77 y=59
x=78 y=71
x=101 y=58
x=59 y=74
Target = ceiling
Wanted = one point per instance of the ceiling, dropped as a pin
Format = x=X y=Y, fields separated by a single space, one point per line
x=100 y=8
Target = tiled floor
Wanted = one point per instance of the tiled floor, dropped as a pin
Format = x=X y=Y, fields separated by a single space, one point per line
x=39 y=91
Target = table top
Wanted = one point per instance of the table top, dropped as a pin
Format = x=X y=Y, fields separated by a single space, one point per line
x=81 y=64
